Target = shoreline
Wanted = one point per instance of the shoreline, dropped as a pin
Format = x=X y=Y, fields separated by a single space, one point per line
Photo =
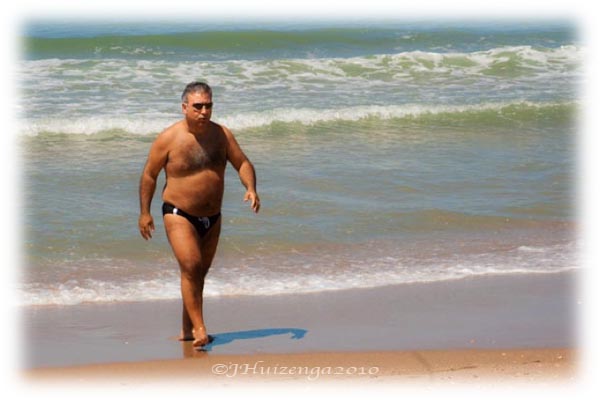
x=491 y=312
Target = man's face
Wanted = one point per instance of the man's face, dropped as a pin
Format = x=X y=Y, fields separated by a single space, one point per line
x=198 y=108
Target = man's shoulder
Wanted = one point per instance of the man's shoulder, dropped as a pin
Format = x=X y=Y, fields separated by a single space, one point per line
x=175 y=128
x=171 y=131
x=218 y=126
x=167 y=136
x=221 y=129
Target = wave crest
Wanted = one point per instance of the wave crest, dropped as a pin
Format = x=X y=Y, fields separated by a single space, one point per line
x=304 y=116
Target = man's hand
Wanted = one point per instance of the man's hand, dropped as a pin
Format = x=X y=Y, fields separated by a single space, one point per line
x=252 y=196
x=146 y=224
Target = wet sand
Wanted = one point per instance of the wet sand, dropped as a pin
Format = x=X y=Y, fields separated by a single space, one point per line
x=519 y=327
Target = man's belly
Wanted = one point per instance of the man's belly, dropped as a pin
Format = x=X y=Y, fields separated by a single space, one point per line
x=200 y=194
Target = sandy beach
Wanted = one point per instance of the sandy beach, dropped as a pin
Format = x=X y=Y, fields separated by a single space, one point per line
x=519 y=327
x=557 y=366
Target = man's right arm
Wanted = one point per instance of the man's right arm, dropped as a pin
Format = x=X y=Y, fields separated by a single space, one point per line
x=157 y=158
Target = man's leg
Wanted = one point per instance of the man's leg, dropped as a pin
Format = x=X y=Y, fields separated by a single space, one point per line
x=208 y=249
x=194 y=256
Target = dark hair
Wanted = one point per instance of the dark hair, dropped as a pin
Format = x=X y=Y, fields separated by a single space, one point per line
x=194 y=87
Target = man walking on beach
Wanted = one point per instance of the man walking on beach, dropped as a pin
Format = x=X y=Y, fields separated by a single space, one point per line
x=194 y=153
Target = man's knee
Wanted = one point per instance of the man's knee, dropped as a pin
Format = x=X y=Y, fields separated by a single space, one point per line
x=192 y=269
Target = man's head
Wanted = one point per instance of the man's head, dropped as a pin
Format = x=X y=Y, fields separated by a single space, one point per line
x=196 y=103
x=195 y=87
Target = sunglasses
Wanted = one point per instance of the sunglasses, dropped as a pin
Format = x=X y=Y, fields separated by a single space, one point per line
x=200 y=106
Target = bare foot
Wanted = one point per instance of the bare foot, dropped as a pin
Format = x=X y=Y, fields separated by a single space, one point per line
x=200 y=337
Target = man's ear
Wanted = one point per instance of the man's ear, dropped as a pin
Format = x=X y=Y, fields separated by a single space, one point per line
x=183 y=107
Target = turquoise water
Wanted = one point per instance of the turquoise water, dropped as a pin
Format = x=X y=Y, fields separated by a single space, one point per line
x=385 y=153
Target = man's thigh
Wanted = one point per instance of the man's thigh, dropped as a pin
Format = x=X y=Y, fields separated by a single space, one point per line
x=190 y=250
x=184 y=241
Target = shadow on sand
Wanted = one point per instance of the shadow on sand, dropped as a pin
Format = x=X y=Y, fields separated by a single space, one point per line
x=226 y=338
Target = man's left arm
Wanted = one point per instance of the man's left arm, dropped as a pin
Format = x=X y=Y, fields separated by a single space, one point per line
x=245 y=169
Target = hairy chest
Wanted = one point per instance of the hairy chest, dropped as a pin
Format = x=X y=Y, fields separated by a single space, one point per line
x=190 y=156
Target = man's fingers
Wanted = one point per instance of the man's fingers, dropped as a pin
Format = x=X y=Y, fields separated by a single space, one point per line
x=146 y=225
x=255 y=205
x=150 y=230
x=146 y=232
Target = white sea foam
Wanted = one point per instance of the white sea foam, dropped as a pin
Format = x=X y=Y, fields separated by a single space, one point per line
x=531 y=249
x=95 y=125
x=140 y=96
x=140 y=125
x=96 y=291
x=93 y=291
x=549 y=58
x=308 y=274
x=116 y=80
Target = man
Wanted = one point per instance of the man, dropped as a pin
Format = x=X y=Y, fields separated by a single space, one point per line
x=194 y=153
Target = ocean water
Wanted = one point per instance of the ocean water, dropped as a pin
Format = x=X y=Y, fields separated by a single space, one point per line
x=386 y=153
